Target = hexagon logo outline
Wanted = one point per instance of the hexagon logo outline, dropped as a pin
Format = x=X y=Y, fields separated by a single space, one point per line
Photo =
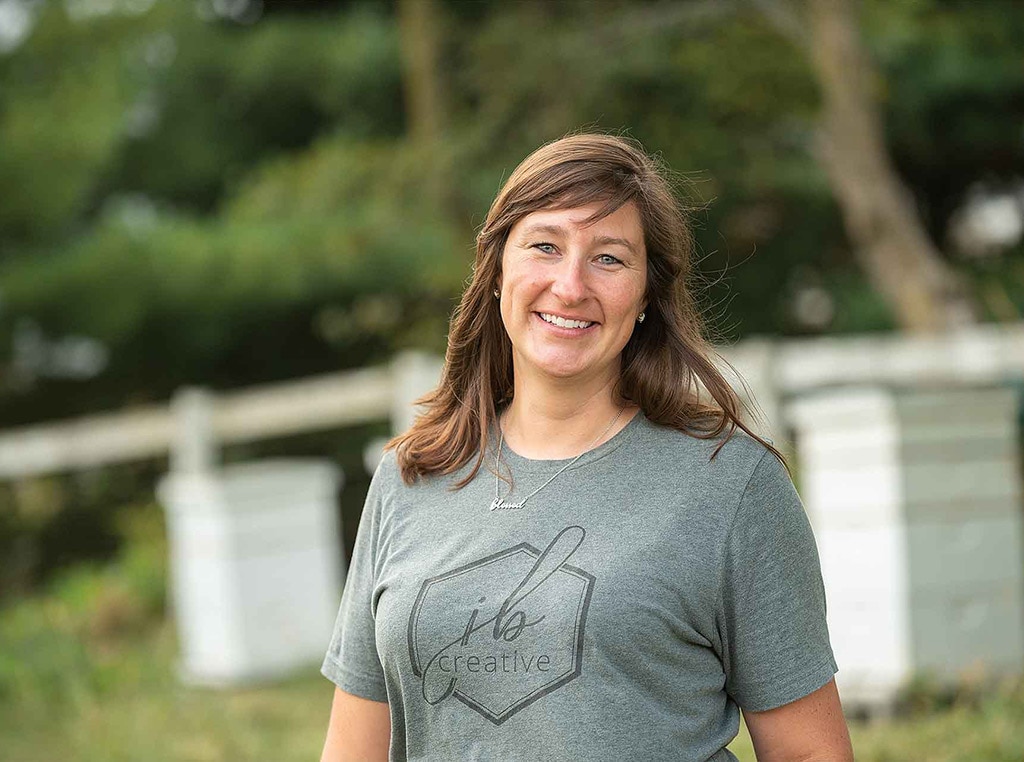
x=518 y=572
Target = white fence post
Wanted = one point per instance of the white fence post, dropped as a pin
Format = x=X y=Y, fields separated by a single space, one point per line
x=254 y=556
x=413 y=375
x=194 y=444
x=915 y=498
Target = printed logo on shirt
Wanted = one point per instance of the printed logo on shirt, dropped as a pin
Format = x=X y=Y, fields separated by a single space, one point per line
x=504 y=631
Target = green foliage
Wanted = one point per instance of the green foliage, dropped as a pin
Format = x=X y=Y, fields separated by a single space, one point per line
x=953 y=95
x=66 y=646
x=49 y=523
x=308 y=216
x=189 y=267
x=63 y=98
x=324 y=258
x=231 y=99
x=163 y=104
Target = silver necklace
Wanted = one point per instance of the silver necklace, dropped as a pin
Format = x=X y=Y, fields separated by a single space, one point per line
x=503 y=505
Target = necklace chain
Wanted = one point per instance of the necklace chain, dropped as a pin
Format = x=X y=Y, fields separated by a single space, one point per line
x=499 y=504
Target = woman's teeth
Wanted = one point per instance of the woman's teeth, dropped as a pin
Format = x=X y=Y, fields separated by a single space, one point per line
x=562 y=322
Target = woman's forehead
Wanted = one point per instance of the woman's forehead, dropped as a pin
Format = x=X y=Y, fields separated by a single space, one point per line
x=624 y=222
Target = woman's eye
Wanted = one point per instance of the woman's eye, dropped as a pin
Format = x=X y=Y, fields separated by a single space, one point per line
x=608 y=259
x=545 y=247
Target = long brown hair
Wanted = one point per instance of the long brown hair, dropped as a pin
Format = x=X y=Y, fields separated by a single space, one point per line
x=663 y=363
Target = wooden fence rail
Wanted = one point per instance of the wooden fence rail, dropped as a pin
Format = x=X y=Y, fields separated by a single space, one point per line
x=774 y=370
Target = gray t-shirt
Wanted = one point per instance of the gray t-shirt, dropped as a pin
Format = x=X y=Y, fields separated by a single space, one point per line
x=625 y=612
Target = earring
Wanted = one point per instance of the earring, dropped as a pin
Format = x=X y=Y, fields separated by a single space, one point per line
x=640 y=317
x=497 y=294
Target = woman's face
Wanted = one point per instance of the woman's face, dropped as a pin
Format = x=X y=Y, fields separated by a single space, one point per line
x=570 y=294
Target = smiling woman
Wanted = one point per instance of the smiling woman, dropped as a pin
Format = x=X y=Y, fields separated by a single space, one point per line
x=642 y=570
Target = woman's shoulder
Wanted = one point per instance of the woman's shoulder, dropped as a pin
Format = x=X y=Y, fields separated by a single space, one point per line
x=729 y=453
x=387 y=476
x=711 y=472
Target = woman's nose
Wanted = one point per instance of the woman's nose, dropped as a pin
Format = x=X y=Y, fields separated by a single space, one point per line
x=570 y=281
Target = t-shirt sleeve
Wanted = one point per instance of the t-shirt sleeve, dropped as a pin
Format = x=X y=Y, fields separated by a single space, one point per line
x=352 y=662
x=772 y=620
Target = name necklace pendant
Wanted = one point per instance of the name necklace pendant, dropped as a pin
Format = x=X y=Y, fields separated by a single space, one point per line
x=505 y=505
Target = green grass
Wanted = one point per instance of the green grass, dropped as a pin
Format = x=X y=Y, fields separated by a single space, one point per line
x=87 y=674
x=124 y=704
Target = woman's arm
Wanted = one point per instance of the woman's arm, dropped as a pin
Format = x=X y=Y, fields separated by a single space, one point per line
x=811 y=729
x=359 y=730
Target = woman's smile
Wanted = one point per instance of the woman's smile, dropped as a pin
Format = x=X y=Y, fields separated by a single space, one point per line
x=570 y=326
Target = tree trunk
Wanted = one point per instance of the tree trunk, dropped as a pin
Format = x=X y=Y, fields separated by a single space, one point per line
x=924 y=292
x=420 y=26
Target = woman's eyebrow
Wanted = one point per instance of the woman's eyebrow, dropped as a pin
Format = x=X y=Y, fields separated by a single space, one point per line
x=603 y=240
x=546 y=229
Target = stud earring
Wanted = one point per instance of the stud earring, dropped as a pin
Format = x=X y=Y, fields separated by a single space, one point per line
x=640 y=317
x=497 y=294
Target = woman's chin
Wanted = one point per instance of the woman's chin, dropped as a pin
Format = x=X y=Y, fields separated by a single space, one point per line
x=565 y=368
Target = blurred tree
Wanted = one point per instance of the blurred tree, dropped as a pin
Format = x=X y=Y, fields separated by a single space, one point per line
x=891 y=241
x=420 y=25
x=233 y=192
x=254 y=200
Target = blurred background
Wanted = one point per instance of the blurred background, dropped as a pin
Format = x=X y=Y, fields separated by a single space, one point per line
x=241 y=196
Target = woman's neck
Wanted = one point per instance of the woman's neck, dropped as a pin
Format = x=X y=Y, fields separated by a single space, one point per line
x=554 y=424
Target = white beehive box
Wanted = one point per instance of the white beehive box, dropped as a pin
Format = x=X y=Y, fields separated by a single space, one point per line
x=255 y=567
x=915 y=500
